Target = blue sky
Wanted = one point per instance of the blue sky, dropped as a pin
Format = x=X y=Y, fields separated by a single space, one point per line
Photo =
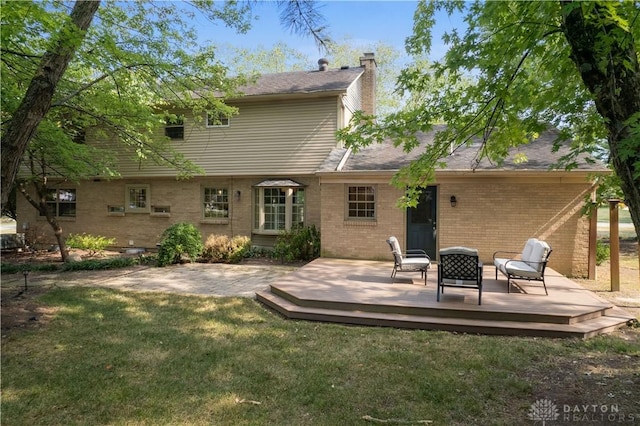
x=362 y=21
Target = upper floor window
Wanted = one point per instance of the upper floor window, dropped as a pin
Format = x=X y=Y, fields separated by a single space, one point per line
x=216 y=203
x=174 y=127
x=138 y=199
x=361 y=202
x=61 y=202
x=216 y=119
x=278 y=208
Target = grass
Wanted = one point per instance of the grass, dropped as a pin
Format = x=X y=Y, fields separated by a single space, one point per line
x=623 y=215
x=109 y=357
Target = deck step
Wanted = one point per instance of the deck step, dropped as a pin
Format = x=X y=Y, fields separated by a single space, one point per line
x=604 y=323
x=441 y=310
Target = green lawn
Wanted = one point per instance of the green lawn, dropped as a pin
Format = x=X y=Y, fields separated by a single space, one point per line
x=109 y=357
x=623 y=215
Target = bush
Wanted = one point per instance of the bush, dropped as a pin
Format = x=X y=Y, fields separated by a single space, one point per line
x=300 y=243
x=93 y=243
x=95 y=264
x=178 y=240
x=603 y=252
x=11 y=268
x=221 y=248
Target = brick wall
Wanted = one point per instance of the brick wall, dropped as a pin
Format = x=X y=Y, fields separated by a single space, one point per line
x=369 y=81
x=491 y=215
x=144 y=229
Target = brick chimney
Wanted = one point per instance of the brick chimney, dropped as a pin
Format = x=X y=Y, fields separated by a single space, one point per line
x=323 y=64
x=368 y=62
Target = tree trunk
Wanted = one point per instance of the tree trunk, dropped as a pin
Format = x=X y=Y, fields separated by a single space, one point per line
x=615 y=88
x=37 y=99
x=41 y=206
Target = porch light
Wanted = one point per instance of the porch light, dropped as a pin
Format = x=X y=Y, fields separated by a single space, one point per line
x=453 y=201
x=237 y=195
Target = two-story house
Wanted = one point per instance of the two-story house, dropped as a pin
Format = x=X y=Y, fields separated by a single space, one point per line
x=278 y=163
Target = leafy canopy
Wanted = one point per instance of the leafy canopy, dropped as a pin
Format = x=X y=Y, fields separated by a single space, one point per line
x=506 y=78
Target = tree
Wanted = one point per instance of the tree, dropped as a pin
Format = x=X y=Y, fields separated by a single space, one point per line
x=37 y=99
x=519 y=68
x=345 y=52
x=118 y=79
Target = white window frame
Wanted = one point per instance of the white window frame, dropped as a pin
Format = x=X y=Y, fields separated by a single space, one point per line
x=129 y=208
x=260 y=214
x=225 y=120
x=219 y=191
x=355 y=203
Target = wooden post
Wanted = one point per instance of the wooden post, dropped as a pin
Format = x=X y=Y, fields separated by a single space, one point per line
x=593 y=242
x=614 y=244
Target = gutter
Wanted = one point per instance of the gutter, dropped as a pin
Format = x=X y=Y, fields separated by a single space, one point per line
x=344 y=159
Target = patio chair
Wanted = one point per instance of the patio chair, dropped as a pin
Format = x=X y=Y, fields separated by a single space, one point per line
x=413 y=260
x=528 y=265
x=459 y=267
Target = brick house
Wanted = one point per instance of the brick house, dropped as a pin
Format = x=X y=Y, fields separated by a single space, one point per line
x=278 y=163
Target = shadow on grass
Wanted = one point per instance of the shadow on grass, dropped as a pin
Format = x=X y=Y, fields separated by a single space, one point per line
x=151 y=358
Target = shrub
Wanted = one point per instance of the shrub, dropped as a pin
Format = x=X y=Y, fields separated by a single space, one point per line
x=300 y=243
x=11 y=268
x=95 y=264
x=93 y=243
x=603 y=252
x=221 y=248
x=178 y=240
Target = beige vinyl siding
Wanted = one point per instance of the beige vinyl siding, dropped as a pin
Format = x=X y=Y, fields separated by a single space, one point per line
x=352 y=101
x=276 y=138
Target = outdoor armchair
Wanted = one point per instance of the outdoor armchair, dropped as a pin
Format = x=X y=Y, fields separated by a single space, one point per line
x=528 y=265
x=459 y=267
x=413 y=260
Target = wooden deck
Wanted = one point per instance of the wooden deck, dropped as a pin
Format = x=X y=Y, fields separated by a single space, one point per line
x=361 y=292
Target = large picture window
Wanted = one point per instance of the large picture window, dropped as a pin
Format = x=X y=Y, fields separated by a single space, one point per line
x=361 y=202
x=138 y=199
x=216 y=203
x=61 y=202
x=278 y=208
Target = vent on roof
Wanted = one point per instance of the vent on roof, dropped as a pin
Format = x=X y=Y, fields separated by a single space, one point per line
x=323 y=64
x=344 y=67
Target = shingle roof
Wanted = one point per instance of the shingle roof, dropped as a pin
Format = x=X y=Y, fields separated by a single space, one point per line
x=300 y=82
x=386 y=157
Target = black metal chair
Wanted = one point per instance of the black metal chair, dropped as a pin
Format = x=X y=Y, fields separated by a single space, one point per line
x=460 y=267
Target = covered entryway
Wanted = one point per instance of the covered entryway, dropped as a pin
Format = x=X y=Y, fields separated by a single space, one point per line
x=421 y=223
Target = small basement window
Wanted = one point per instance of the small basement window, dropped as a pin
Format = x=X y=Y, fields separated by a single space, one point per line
x=162 y=211
x=115 y=210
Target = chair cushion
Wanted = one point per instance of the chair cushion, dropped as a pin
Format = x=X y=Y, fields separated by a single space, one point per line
x=518 y=268
x=539 y=253
x=528 y=248
x=415 y=262
x=459 y=250
x=395 y=245
x=498 y=261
